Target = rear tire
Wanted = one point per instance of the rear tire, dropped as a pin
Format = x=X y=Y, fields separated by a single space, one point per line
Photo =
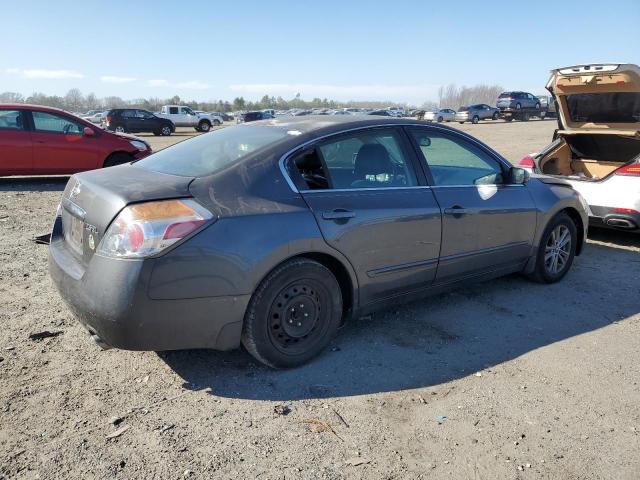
x=440 y=119
x=117 y=159
x=217 y=123
x=165 y=131
x=495 y=116
x=460 y=123
x=119 y=129
x=475 y=119
x=293 y=314
x=204 y=127
x=557 y=249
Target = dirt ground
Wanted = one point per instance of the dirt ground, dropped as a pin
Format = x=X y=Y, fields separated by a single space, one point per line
x=504 y=380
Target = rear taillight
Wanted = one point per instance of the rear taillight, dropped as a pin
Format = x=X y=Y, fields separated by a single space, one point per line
x=527 y=162
x=146 y=229
x=108 y=118
x=625 y=210
x=632 y=170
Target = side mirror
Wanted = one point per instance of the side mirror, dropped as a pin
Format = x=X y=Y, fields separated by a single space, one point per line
x=518 y=176
x=88 y=132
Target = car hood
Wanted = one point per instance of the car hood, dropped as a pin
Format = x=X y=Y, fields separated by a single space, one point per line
x=597 y=98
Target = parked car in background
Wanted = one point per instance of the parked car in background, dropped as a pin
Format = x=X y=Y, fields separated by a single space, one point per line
x=182 y=116
x=440 y=115
x=253 y=116
x=97 y=118
x=381 y=113
x=226 y=117
x=37 y=140
x=548 y=104
x=173 y=255
x=135 y=120
x=517 y=100
x=475 y=113
x=597 y=147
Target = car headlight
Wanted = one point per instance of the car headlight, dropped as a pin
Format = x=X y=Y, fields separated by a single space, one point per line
x=145 y=229
x=140 y=145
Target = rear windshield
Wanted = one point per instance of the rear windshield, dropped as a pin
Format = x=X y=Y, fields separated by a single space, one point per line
x=621 y=107
x=505 y=95
x=211 y=152
x=463 y=109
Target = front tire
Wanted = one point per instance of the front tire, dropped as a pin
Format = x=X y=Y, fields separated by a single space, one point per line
x=119 y=129
x=204 y=127
x=440 y=119
x=475 y=119
x=495 y=116
x=117 y=159
x=165 y=131
x=557 y=249
x=293 y=314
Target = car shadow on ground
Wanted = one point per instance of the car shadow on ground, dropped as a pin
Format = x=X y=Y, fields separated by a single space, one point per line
x=436 y=340
x=33 y=184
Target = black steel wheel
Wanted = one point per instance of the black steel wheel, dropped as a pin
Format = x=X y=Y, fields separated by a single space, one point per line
x=293 y=314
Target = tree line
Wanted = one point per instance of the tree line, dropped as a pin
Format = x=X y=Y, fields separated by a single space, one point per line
x=450 y=96
x=76 y=101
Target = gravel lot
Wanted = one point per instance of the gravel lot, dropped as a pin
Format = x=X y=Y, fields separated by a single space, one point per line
x=508 y=379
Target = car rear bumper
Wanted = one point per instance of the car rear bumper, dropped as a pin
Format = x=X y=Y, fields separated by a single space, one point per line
x=614 y=218
x=109 y=298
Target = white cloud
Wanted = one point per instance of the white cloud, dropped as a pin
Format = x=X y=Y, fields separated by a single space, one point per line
x=341 y=92
x=115 y=79
x=44 y=73
x=188 y=85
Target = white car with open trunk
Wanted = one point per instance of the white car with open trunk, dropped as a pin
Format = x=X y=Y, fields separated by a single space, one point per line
x=597 y=146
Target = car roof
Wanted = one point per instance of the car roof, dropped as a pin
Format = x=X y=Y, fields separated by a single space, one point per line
x=26 y=106
x=336 y=123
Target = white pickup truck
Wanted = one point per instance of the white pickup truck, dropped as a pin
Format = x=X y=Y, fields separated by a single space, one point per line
x=182 y=116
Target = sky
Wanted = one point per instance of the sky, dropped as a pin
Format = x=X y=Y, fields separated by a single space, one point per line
x=400 y=51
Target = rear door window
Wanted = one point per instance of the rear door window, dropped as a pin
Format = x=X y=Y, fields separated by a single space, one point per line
x=11 y=120
x=372 y=158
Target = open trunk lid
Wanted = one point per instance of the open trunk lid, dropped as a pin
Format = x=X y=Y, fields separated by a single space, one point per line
x=92 y=199
x=597 y=98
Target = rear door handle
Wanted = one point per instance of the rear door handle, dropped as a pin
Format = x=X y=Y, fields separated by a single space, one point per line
x=456 y=211
x=338 y=214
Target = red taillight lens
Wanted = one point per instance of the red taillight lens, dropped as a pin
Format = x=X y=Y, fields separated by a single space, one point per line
x=108 y=118
x=625 y=210
x=179 y=230
x=632 y=170
x=527 y=162
x=144 y=229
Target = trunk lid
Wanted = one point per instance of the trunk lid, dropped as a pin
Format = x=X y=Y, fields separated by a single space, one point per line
x=597 y=97
x=92 y=199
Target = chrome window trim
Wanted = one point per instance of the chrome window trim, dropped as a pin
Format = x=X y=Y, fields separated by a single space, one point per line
x=285 y=157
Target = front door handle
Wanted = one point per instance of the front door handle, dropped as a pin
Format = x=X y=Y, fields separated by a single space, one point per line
x=456 y=211
x=338 y=214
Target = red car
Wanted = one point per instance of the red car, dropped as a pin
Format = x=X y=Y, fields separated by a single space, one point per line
x=37 y=140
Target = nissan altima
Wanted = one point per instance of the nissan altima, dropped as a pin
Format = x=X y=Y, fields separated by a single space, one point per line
x=271 y=234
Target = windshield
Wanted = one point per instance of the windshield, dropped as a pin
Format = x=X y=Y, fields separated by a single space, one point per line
x=623 y=107
x=211 y=152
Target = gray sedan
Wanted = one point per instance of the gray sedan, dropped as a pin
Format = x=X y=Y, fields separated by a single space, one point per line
x=477 y=112
x=274 y=233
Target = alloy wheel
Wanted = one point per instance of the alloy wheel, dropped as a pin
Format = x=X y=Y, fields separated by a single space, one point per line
x=166 y=131
x=120 y=129
x=558 y=250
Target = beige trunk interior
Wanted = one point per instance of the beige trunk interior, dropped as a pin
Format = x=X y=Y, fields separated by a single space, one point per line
x=577 y=162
